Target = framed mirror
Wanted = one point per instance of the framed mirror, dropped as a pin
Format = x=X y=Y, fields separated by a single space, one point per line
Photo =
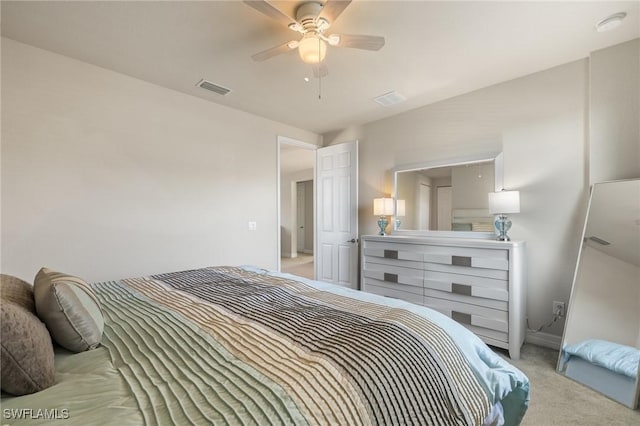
x=447 y=197
x=601 y=341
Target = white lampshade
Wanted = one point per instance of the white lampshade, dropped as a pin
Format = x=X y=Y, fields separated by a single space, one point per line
x=400 y=207
x=383 y=206
x=311 y=49
x=504 y=202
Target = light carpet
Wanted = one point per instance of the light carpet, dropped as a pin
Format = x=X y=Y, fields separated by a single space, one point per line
x=557 y=400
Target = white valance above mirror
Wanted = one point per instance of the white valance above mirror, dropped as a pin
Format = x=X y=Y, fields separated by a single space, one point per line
x=447 y=197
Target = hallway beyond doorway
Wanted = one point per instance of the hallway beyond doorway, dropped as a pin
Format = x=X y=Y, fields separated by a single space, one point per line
x=301 y=265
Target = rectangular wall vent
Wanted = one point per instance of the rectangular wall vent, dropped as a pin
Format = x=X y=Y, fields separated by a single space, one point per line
x=220 y=90
x=598 y=240
x=390 y=98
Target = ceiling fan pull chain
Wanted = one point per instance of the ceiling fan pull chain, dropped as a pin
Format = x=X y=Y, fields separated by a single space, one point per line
x=319 y=75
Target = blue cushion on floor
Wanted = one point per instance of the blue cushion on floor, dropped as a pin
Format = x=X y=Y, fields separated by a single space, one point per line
x=619 y=358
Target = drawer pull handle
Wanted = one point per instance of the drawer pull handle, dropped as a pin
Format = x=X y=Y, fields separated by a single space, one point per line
x=461 y=317
x=391 y=254
x=392 y=278
x=460 y=260
x=461 y=289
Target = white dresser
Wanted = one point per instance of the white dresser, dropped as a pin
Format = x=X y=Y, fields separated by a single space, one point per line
x=479 y=283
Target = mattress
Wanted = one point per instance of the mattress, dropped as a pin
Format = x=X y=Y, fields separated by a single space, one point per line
x=241 y=345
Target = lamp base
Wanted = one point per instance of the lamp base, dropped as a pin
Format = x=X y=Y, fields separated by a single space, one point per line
x=502 y=224
x=398 y=223
x=382 y=224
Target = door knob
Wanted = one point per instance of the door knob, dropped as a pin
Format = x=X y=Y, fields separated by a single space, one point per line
x=353 y=240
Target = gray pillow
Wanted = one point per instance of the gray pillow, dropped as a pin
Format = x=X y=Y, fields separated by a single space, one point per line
x=27 y=362
x=17 y=291
x=70 y=309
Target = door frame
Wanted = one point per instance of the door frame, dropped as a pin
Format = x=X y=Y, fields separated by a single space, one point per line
x=284 y=140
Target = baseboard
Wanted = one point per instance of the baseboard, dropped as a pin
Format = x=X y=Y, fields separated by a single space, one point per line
x=306 y=251
x=287 y=255
x=543 y=339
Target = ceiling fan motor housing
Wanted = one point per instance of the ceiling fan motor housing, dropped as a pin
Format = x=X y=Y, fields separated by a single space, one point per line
x=307 y=13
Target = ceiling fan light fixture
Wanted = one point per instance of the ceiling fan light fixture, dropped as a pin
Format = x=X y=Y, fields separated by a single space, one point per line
x=294 y=26
x=334 y=39
x=312 y=50
x=322 y=24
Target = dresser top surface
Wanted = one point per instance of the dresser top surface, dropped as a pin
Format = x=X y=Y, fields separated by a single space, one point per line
x=448 y=241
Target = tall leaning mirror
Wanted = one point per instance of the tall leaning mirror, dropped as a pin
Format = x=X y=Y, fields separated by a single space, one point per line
x=601 y=342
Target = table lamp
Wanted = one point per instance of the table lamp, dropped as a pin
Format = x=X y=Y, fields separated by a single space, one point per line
x=503 y=203
x=382 y=207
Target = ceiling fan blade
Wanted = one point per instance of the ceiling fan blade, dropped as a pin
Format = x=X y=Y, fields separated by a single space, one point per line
x=271 y=11
x=332 y=9
x=320 y=70
x=278 y=50
x=365 y=42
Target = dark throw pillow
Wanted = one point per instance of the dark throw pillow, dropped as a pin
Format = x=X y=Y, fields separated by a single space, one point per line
x=27 y=360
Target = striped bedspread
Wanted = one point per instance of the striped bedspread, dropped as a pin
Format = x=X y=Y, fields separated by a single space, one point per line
x=225 y=345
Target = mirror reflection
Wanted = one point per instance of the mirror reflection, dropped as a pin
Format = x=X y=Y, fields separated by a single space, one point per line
x=448 y=198
x=601 y=344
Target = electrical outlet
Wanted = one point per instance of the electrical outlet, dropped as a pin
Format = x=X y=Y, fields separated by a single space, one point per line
x=252 y=226
x=558 y=308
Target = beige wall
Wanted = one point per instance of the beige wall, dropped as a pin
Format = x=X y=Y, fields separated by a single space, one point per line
x=106 y=176
x=471 y=184
x=615 y=111
x=539 y=122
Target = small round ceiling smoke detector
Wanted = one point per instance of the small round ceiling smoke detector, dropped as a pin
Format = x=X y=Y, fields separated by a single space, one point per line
x=610 y=22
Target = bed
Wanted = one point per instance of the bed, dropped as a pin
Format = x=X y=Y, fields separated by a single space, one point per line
x=242 y=345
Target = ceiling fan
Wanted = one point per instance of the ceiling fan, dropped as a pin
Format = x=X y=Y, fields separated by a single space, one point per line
x=312 y=20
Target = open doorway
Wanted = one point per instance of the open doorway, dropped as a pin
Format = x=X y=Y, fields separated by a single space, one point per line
x=297 y=207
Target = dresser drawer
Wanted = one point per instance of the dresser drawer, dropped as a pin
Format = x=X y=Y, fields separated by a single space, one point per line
x=471 y=300
x=467 y=257
x=393 y=292
x=478 y=316
x=469 y=285
x=395 y=275
x=370 y=260
x=496 y=274
x=410 y=252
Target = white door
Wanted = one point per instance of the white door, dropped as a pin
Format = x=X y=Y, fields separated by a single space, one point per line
x=444 y=208
x=301 y=215
x=424 y=207
x=337 y=214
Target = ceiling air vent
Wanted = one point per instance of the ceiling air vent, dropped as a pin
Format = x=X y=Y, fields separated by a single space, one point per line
x=220 y=90
x=390 y=98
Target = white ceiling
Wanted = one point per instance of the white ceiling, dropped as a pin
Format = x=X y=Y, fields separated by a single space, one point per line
x=433 y=51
